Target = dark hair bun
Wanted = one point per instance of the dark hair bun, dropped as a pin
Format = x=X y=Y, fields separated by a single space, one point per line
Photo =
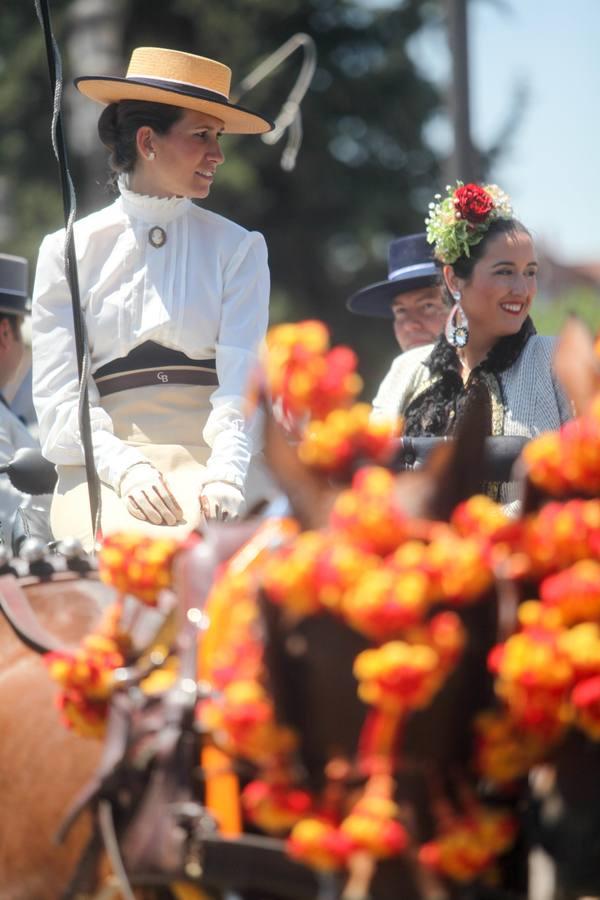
x=108 y=126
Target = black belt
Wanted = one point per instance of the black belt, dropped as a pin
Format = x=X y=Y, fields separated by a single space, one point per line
x=153 y=364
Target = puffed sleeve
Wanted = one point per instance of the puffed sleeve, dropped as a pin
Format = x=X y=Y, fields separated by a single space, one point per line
x=243 y=324
x=55 y=378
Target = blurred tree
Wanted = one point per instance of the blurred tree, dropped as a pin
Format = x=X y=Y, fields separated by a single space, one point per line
x=550 y=314
x=363 y=173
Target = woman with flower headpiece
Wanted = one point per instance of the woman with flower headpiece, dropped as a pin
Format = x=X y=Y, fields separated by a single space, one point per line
x=175 y=301
x=490 y=346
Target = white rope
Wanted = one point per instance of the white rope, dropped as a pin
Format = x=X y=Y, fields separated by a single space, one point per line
x=289 y=118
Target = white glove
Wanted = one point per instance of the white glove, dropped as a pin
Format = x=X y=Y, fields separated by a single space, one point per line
x=147 y=496
x=220 y=500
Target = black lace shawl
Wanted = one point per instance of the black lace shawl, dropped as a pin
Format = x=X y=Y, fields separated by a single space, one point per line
x=436 y=410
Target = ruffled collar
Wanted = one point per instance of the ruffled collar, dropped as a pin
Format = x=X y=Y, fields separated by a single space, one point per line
x=151 y=209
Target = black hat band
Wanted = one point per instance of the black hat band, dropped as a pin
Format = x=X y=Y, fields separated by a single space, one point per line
x=174 y=87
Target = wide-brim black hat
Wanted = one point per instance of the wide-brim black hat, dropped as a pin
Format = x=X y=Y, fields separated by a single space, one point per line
x=410 y=267
x=14 y=296
x=177 y=79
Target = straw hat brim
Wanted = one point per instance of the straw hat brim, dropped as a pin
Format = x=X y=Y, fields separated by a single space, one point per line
x=376 y=299
x=236 y=119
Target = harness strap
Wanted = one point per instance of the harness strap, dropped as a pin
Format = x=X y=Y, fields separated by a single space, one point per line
x=22 y=619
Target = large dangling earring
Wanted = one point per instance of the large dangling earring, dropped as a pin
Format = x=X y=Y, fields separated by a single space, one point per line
x=457 y=324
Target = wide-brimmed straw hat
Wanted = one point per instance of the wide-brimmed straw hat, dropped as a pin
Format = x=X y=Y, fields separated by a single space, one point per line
x=14 y=297
x=177 y=79
x=410 y=267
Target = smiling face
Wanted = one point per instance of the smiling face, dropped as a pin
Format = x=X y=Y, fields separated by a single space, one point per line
x=181 y=162
x=498 y=295
x=419 y=316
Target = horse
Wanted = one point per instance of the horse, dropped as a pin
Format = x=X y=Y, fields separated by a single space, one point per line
x=45 y=766
x=42 y=764
x=309 y=665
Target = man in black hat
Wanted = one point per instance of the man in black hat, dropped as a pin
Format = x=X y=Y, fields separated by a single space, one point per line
x=14 y=306
x=411 y=295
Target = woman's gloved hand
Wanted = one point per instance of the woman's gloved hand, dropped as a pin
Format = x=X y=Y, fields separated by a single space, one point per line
x=147 y=496
x=220 y=500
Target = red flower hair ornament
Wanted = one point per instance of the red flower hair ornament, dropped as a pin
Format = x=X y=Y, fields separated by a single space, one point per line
x=460 y=220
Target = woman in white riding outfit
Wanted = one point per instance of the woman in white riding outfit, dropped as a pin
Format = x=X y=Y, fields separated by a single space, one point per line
x=175 y=301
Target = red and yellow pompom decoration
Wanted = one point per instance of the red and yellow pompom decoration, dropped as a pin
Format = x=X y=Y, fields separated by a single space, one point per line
x=305 y=377
x=469 y=848
x=86 y=675
x=586 y=706
x=534 y=674
x=315 y=572
x=505 y=752
x=319 y=843
x=242 y=722
x=275 y=807
x=137 y=565
x=384 y=602
x=399 y=676
x=559 y=535
x=568 y=461
x=482 y=518
x=347 y=437
x=373 y=825
x=369 y=513
x=547 y=672
x=574 y=592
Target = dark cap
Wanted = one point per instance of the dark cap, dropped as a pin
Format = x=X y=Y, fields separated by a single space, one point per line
x=14 y=298
x=410 y=267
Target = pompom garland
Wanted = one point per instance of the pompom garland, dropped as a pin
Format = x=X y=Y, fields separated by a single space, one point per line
x=86 y=675
x=403 y=585
x=369 y=514
x=567 y=461
x=137 y=565
x=466 y=851
x=306 y=379
x=345 y=437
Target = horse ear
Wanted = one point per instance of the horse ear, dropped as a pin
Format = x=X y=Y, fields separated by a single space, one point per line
x=576 y=364
x=456 y=468
x=310 y=495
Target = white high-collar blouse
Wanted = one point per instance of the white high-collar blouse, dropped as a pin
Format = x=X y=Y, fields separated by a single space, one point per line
x=204 y=292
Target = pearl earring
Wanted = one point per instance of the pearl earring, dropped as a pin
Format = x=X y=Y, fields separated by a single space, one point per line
x=151 y=155
x=456 y=295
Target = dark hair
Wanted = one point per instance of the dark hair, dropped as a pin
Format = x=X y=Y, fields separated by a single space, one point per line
x=464 y=265
x=118 y=126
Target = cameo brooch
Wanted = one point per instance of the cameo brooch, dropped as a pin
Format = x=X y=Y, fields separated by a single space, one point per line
x=157 y=236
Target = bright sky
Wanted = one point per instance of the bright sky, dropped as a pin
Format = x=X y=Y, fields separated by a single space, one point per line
x=551 y=49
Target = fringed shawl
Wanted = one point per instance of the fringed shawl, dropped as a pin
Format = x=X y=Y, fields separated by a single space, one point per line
x=437 y=404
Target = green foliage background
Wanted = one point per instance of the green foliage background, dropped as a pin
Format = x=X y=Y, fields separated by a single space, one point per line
x=363 y=175
x=550 y=315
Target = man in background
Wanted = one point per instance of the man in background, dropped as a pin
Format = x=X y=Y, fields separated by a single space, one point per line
x=411 y=295
x=14 y=306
